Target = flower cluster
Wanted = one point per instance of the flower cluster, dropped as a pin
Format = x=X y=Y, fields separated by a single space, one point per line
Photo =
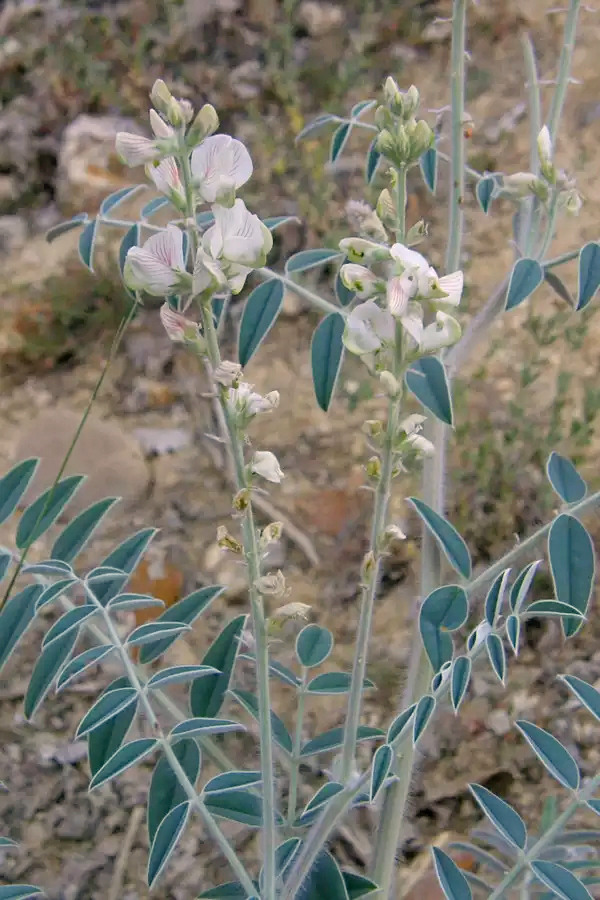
x=402 y=138
x=524 y=184
x=401 y=293
x=191 y=165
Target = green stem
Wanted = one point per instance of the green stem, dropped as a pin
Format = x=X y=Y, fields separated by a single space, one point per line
x=550 y=225
x=564 y=68
x=532 y=218
x=252 y=558
x=546 y=840
x=457 y=189
x=314 y=299
x=180 y=773
x=401 y=203
x=109 y=360
x=563 y=258
x=295 y=767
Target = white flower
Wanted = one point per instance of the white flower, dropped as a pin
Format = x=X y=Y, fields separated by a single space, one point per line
x=544 y=146
x=246 y=403
x=208 y=274
x=135 y=150
x=159 y=126
x=271 y=584
x=368 y=327
x=178 y=327
x=227 y=373
x=400 y=289
x=167 y=180
x=220 y=165
x=413 y=423
x=158 y=266
x=238 y=237
x=443 y=333
x=412 y=321
x=265 y=464
x=359 y=250
x=519 y=184
x=421 y=280
x=421 y=444
x=360 y=280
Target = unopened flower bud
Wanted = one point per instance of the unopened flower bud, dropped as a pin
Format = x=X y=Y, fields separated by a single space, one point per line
x=544 y=146
x=389 y=384
x=241 y=500
x=368 y=567
x=520 y=184
x=386 y=144
x=226 y=541
x=373 y=468
x=416 y=234
x=161 y=96
x=265 y=464
x=205 y=124
x=359 y=250
x=421 y=444
x=294 y=610
x=572 y=202
x=412 y=424
x=386 y=209
x=410 y=101
x=383 y=118
x=271 y=533
x=187 y=110
x=393 y=96
x=394 y=533
x=421 y=139
x=228 y=373
x=272 y=584
x=373 y=427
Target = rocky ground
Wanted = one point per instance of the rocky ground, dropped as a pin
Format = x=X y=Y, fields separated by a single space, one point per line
x=70 y=74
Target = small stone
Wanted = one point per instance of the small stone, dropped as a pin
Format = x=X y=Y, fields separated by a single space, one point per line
x=320 y=18
x=499 y=721
x=8 y=190
x=111 y=459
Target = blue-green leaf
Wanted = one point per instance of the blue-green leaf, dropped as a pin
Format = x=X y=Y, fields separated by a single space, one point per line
x=230 y=781
x=260 y=313
x=208 y=693
x=399 y=725
x=589 y=274
x=165 y=840
x=63 y=227
x=152 y=631
x=329 y=740
x=73 y=618
x=107 y=706
x=452 y=881
x=316 y=124
x=277 y=670
x=51 y=659
x=313 y=645
x=550 y=608
x=125 y=557
x=113 y=200
x=45 y=510
x=327 y=353
x=280 y=733
x=573 y=565
x=81 y=663
x=358 y=885
x=513 y=631
x=203 y=725
x=562 y=882
x=344 y=295
x=495 y=597
x=107 y=738
x=236 y=806
x=19 y=891
x=373 y=160
x=565 y=479
x=502 y=816
x=428 y=164
x=275 y=222
x=309 y=259
x=427 y=380
x=179 y=674
x=126 y=756
x=446 y=607
x=380 y=768
x=584 y=692
x=5 y=561
x=130 y=602
x=338 y=142
x=437 y=643
x=461 y=675
x=520 y=588
x=16 y=616
x=87 y=244
x=55 y=590
x=153 y=206
x=166 y=791
x=484 y=192
x=317 y=802
x=187 y=611
x=551 y=752
x=423 y=713
x=362 y=106
x=559 y=287
x=450 y=541
x=130 y=239
x=230 y=890
x=75 y=536
x=527 y=275
x=334 y=683
x=496 y=655
x=14 y=484
x=325 y=880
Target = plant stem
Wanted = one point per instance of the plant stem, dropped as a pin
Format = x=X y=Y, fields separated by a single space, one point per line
x=180 y=773
x=401 y=203
x=563 y=258
x=564 y=68
x=124 y=324
x=393 y=814
x=295 y=767
x=314 y=299
x=252 y=558
x=546 y=840
x=531 y=220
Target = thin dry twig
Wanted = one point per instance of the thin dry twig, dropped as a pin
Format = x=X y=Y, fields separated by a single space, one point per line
x=116 y=885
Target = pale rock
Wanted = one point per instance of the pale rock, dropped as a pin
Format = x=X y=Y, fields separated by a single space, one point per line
x=111 y=459
x=499 y=721
x=320 y=18
x=9 y=190
x=88 y=165
x=13 y=234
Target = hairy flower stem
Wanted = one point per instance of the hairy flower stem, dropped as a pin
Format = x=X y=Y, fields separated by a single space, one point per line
x=116 y=343
x=180 y=773
x=393 y=815
x=252 y=558
x=379 y=521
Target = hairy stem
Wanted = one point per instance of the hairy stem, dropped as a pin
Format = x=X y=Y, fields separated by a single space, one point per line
x=533 y=210
x=564 y=68
x=295 y=767
x=314 y=299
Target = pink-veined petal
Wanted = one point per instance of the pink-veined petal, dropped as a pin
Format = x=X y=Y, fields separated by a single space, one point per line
x=146 y=272
x=167 y=247
x=410 y=259
x=452 y=285
x=159 y=126
x=398 y=295
x=166 y=176
x=134 y=149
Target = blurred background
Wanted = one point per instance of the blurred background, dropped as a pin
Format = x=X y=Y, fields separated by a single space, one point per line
x=73 y=73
